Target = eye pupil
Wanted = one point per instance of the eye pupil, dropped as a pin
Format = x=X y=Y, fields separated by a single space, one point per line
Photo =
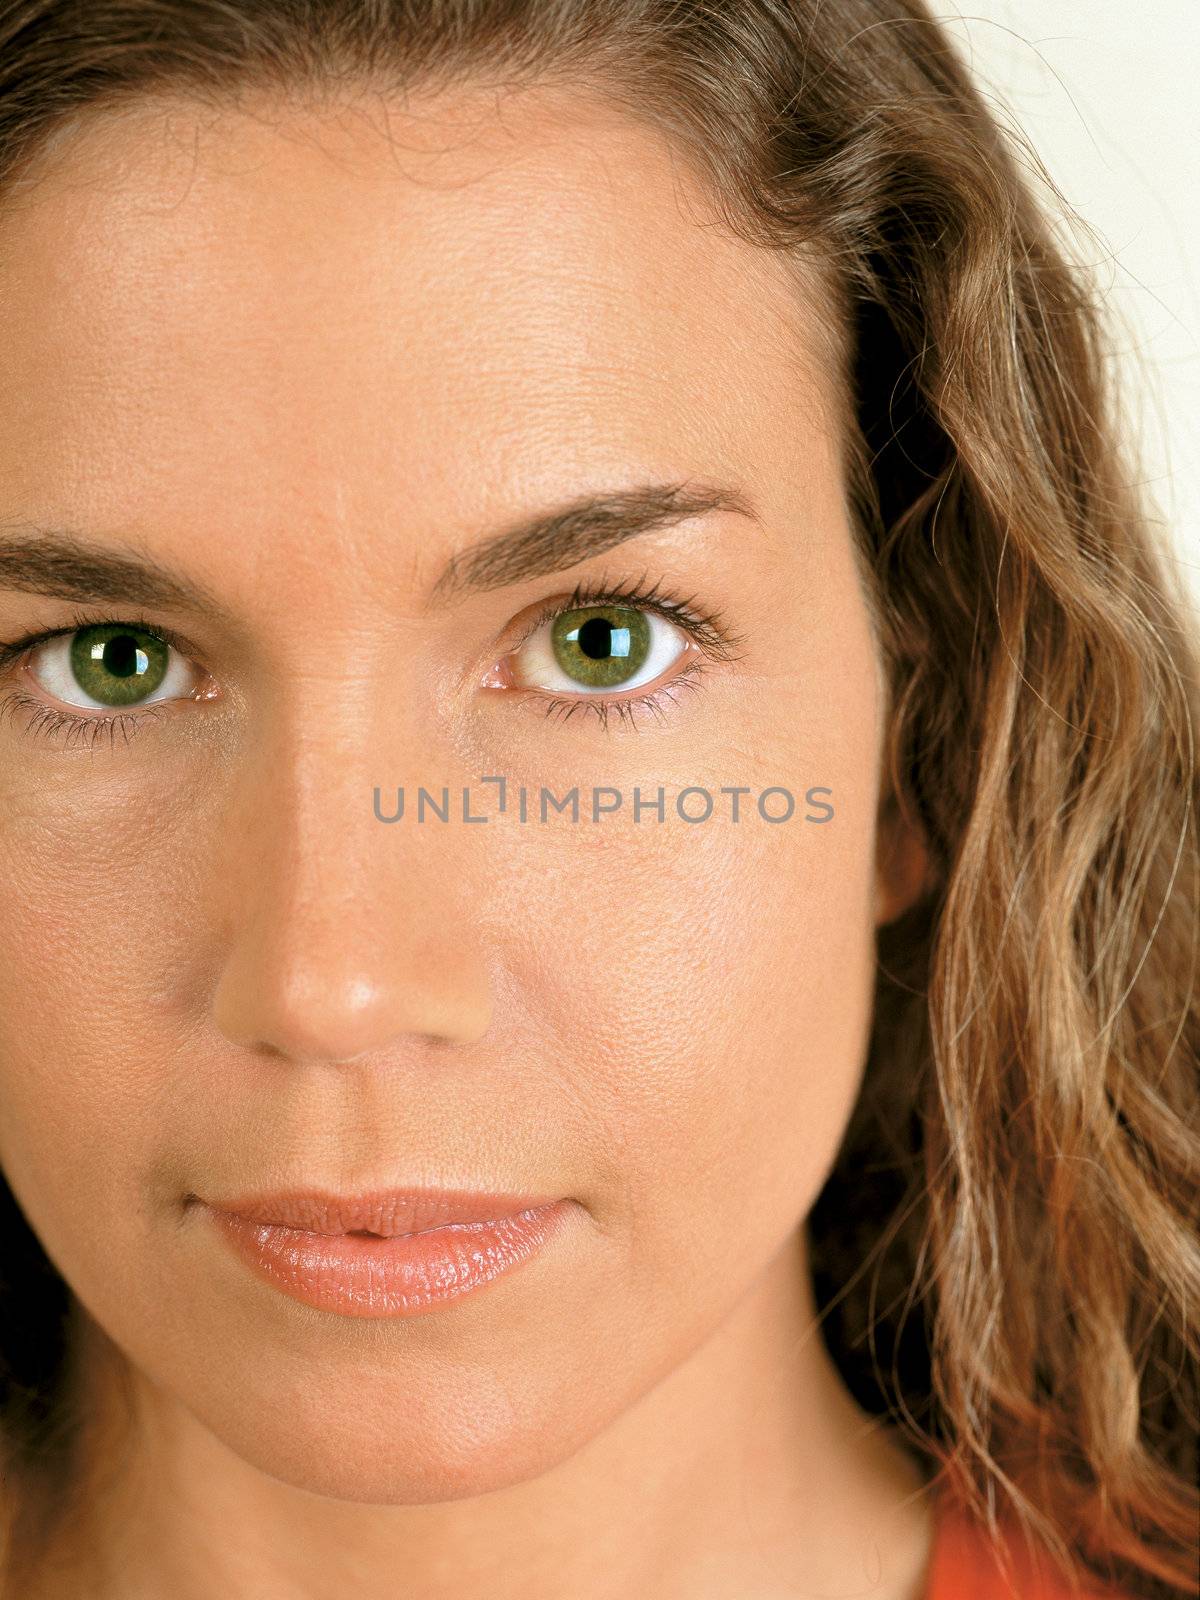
x=600 y=640
x=119 y=656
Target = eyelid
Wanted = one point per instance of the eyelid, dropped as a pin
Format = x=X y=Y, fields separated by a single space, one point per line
x=11 y=651
x=707 y=628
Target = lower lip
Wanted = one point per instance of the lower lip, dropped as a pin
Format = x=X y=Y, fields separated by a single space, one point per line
x=362 y=1276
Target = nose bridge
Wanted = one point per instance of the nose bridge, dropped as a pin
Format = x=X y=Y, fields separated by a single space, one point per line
x=348 y=934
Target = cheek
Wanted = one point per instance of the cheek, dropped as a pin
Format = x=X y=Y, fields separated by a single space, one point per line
x=93 y=924
x=706 y=992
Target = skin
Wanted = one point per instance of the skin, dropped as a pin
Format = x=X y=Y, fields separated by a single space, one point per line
x=304 y=357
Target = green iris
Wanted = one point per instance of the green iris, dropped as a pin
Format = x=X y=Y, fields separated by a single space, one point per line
x=601 y=646
x=116 y=664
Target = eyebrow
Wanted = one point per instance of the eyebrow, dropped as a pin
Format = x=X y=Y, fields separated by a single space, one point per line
x=585 y=527
x=67 y=565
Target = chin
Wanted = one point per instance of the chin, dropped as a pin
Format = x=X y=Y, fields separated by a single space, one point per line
x=411 y=1449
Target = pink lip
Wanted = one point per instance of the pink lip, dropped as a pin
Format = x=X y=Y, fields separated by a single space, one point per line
x=391 y=1253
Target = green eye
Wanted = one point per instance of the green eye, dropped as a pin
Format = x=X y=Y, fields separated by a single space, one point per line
x=601 y=647
x=597 y=649
x=117 y=665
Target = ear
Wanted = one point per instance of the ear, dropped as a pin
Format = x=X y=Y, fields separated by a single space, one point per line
x=901 y=864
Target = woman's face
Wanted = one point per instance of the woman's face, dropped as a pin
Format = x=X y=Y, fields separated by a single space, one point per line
x=299 y=363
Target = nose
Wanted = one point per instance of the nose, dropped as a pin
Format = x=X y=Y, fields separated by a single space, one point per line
x=346 y=936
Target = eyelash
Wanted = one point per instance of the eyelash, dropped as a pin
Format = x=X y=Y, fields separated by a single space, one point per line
x=705 y=627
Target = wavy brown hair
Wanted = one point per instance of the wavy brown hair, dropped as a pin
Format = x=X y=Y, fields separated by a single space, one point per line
x=1005 y=1254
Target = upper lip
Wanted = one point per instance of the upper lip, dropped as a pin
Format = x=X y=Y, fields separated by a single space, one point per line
x=386 y=1212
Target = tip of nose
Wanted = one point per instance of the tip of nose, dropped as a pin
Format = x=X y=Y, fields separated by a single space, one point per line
x=314 y=1015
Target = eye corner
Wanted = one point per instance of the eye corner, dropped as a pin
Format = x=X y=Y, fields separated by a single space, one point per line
x=498 y=675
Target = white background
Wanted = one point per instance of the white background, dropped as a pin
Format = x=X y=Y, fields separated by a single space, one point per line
x=1108 y=92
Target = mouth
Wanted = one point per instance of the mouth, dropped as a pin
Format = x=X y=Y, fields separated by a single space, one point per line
x=391 y=1253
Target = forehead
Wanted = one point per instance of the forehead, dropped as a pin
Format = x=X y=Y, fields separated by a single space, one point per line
x=484 y=300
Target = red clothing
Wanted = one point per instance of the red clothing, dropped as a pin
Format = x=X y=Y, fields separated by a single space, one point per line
x=963 y=1567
